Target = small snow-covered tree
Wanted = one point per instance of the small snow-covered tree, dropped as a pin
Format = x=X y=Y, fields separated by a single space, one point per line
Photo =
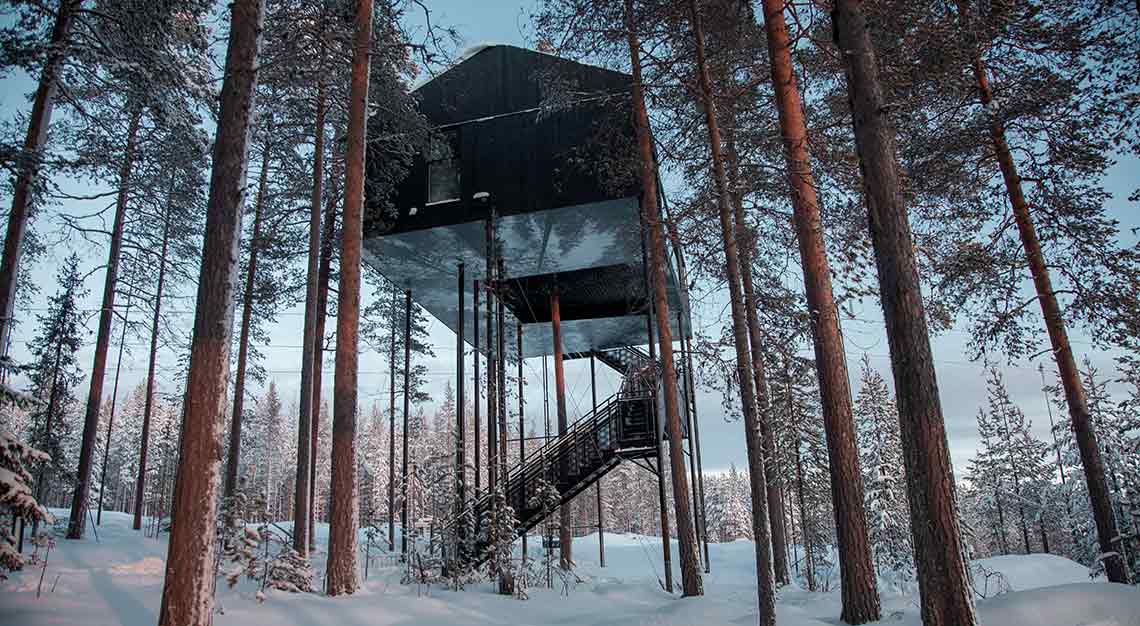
x=500 y=526
x=1009 y=475
x=16 y=499
x=880 y=451
x=736 y=509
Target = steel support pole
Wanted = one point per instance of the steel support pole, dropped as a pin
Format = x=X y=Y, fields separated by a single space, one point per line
x=478 y=392
x=492 y=375
x=502 y=386
x=598 y=492
x=392 y=426
x=460 y=412
x=407 y=408
x=695 y=445
x=522 y=432
x=564 y=538
x=658 y=422
x=690 y=408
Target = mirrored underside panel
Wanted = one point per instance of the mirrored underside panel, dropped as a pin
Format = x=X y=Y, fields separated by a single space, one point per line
x=591 y=255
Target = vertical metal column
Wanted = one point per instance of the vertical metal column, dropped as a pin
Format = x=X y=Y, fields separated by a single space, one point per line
x=546 y=530
x=690 y=411
x=564 y=538
x=475 y=387
x=522 y=434
x=460 y=412
x=407 y=407
x=601 y=520
x=502 y=352
x=659 y=424
x=492 y=372
x=695 y=444
x=392 y=426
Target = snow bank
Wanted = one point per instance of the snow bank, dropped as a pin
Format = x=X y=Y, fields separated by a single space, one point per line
x=1079 y=604
x=1031 y=571
x=118 y=580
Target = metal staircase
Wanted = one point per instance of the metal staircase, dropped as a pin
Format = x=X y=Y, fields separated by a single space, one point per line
x=624 y=426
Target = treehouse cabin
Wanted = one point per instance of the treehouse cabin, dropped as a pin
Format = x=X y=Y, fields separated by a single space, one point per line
x=526 y=194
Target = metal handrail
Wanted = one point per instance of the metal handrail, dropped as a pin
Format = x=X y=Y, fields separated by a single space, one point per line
x=551 y=454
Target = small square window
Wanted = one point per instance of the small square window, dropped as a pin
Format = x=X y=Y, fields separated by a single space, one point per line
x=443 y=167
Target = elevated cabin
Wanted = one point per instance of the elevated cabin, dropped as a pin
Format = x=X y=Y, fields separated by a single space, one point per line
x=537 y=154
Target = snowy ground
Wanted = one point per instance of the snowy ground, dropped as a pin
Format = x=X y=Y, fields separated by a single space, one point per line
x=119 y=579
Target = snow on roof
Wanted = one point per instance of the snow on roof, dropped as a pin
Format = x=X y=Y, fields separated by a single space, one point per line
x=467 y=53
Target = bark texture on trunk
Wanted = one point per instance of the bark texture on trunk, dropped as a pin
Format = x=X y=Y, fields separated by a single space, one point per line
x=944 y=587
x=76 y=523
x=341 y=577
x=323 y=276
x=691 y=583
x=857 y=571
x=187 y=595
x=309 y=342
x=34 y=141
x=744 y=367
x=1108 y=535
x=746 y=244
x=234 y=457
x=148 y=406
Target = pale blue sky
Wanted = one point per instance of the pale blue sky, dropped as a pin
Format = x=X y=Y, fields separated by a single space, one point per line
x=961 y=381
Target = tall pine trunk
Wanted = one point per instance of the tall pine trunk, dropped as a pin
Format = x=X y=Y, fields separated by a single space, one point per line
x=187 y=593
x=746 y=244
x=232 y=460
x=1106 y=528
x=729 y=233
x=111 y=417
x=148 y=405
x=857 y=572
x=76 y=524
x=691 y=582
x=323 y=275
x=944 y=588
x=309 y=349
x=29 y=166
x=341 y=575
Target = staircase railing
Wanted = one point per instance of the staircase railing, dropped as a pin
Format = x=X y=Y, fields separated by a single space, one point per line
x=571 y=462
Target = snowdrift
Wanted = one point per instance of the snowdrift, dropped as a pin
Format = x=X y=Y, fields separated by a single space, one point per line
x=118 y=581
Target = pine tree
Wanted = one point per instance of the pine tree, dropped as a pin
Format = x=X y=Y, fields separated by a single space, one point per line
x=880 y=451
x=54 y=375
x=860 y=596
x=988 y=474
x=188 y=583
x=137 y=55
x=26 y=51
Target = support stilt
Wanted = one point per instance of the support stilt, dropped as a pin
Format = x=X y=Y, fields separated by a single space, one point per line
x=460 y=416
x=407 y=408
x=695 y=443
x=522 y=429
x=598 y=492
x=478 y=392
x=564 y=538
x=690 y=412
